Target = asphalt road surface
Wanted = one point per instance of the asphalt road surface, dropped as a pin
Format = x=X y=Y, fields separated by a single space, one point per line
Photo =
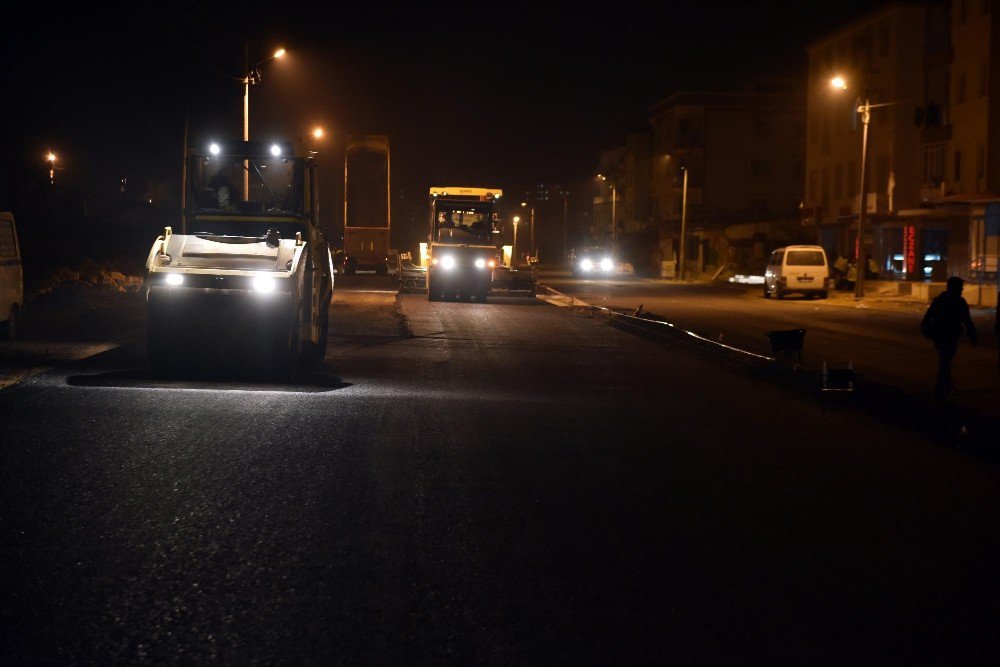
x=507 y=482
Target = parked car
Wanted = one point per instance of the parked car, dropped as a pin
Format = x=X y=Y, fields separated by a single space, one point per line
x=11 y=278
x=803 y=269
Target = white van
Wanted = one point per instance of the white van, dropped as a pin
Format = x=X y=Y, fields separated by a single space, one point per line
x=11 y=278
x=797 y=268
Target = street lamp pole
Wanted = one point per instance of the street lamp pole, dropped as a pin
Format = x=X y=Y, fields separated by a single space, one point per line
x=684 y=217
x=51 y=158
x=614 y=226
x=513 y=249
x=534 y=250
x=246 y=117
x=861 y=264
x=252 y=77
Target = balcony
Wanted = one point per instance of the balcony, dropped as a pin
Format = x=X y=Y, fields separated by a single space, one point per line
x=935 y=134
x=929 y=192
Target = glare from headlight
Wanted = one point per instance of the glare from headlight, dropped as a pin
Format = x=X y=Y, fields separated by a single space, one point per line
x=586 y=265
x=607 y=264
x=480 y=263
x=448 y=262
x=263 y=284
x=174 y=279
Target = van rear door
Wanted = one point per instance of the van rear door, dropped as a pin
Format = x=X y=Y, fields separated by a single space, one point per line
x=805 y=268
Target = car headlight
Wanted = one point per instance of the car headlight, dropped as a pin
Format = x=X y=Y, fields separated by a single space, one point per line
x=447 y=262
x=480 y=263
x=174 y=279
x=586 y=265
x=607 y=264
x=263 y=284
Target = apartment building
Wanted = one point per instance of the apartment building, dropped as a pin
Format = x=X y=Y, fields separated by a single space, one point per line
x=743 y=152
x=881 y=59
x=929 y=72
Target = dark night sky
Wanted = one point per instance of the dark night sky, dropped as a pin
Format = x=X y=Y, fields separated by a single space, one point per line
x=507 y=95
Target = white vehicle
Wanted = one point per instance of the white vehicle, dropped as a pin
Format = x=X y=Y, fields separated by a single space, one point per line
x=251 y=281
x=11 y=278
x=802 y=269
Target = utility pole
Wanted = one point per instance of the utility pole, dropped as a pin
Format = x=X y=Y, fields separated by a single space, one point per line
x=534 y=250
x=246 y=116
x=614 y=227
x=684 y=216
x=861 y=263
x=565 y=249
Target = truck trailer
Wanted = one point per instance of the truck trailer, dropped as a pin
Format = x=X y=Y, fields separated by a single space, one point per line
x=367 y=206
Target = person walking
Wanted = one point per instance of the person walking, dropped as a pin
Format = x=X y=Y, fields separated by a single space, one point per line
x=943 y=323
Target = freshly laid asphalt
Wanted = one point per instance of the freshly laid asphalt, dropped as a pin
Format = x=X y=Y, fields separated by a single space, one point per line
x=500 y=482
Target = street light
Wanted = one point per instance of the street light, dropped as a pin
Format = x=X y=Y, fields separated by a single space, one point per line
x=863 y=108
x=252 y=77
x=614 y=227
x=51 y=159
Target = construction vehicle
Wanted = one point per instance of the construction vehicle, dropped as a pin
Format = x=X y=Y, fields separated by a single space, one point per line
x=411 y=277
x=367 y=210
x=464 y=257
x=249 y=280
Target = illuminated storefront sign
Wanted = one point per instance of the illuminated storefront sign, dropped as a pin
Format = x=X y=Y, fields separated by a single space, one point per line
x=910 y=251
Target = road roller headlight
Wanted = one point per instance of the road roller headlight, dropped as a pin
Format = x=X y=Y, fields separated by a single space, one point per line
x=447 y=262
x=607 y=264
x=586 y=265
x=263 y=284
x=174 y=279
x=480 y=263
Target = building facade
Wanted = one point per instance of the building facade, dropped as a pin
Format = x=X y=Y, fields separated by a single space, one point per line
x=930 y=73
x=744 y=157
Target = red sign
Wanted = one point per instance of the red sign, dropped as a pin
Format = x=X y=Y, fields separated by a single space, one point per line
x=910 y=250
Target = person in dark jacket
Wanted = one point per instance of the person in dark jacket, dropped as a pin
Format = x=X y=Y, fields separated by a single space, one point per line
x=943 y=323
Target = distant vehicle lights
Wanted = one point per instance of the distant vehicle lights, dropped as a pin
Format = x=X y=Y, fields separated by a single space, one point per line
x=606 y=265
x=174 y=279
x=214 y=149
x=447 y=262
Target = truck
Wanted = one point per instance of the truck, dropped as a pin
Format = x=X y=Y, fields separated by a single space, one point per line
x=367 y=206
x=249 y=280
